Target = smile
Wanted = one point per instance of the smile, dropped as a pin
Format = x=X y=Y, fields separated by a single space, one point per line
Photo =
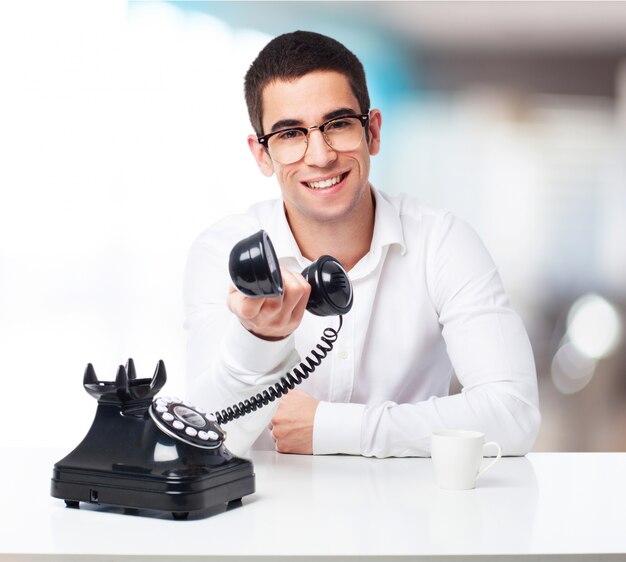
x=325 y=184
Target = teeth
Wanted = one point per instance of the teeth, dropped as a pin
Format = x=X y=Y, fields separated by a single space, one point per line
x=323 y=184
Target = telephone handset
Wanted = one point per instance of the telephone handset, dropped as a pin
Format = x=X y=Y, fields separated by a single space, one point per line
x=255 y=272
x=254 y=269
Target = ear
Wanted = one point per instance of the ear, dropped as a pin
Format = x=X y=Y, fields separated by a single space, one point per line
x=264 y=162
x=375 y=123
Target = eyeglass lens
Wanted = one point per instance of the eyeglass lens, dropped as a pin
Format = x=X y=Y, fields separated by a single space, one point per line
x=342 y=134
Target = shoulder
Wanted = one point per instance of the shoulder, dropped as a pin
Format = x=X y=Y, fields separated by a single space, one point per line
x=415 y=215
x=427 y=230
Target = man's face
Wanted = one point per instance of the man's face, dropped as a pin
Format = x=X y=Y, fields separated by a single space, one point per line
x=325 y=185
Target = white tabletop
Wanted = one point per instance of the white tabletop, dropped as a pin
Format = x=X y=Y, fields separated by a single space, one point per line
x=545 y=503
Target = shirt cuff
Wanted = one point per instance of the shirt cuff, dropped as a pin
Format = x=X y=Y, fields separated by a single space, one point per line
x=250 y=354
x=337 y=428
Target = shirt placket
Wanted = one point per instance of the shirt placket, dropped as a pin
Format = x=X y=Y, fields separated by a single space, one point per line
x=342 y=377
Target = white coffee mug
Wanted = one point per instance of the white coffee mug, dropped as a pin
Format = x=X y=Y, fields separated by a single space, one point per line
x=457 y=455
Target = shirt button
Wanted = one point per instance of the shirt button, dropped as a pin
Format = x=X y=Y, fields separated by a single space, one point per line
x=344 y=354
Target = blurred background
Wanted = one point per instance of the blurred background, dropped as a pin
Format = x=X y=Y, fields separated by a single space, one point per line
x=122 y=136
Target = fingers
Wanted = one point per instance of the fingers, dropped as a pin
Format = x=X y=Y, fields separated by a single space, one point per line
x=244 y=307
x=292 y=302
x=291 y=426
x=299 y=306
x=273 y=317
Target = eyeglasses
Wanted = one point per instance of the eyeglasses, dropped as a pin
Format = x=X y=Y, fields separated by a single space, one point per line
x=342 y=134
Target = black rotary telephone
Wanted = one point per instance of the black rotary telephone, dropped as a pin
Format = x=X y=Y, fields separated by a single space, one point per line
x=145 y=451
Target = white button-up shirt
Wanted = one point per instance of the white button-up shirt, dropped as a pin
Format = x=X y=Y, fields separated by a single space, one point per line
x=428 y=301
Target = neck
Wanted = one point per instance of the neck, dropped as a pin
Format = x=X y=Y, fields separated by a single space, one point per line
x=348 y=239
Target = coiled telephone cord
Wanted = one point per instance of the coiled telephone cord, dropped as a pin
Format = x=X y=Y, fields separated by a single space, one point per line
x=286 y=383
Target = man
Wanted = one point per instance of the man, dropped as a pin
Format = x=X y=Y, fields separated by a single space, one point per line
x=427 y=297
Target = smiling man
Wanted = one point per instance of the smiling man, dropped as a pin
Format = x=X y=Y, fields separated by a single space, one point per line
x=428 y=300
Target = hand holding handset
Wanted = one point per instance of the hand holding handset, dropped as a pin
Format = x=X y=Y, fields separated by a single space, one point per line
x=255 y=272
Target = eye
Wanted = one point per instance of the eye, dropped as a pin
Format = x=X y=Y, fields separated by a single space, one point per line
x=341 y=123
x=289 y=134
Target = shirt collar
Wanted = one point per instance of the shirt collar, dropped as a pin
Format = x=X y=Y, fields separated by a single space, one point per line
x=387 y=225
x=387 y=231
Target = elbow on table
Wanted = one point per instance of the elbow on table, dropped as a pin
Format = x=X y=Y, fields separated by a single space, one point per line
x=519 y=436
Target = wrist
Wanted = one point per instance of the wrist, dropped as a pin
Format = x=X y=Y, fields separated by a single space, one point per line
x=337 y=428
x=267 y=337
x=243 y=351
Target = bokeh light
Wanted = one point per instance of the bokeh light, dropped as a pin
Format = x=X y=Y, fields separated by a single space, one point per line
x=594 y=326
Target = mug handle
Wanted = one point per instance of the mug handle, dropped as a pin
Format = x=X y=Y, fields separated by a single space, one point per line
x=494 y=461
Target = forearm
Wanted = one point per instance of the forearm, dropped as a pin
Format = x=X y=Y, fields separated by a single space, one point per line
x=398 y=430
x=227 y=365
x=502 y=416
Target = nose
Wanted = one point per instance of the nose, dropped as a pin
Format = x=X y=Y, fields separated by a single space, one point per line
x=318 y=152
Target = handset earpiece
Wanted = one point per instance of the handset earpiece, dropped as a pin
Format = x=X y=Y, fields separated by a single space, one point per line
x=254 y=268
x=255 y=272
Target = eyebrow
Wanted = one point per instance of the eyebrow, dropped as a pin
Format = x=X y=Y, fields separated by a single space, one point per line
x=286 y=123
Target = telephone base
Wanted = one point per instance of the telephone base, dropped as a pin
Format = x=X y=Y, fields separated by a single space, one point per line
x=141 y=454
x=127 y=462
x=224 y=485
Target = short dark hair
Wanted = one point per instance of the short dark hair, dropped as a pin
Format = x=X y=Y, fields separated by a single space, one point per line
x=292 y=55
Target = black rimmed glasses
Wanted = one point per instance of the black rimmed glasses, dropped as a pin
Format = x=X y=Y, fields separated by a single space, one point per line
x=342 y=134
